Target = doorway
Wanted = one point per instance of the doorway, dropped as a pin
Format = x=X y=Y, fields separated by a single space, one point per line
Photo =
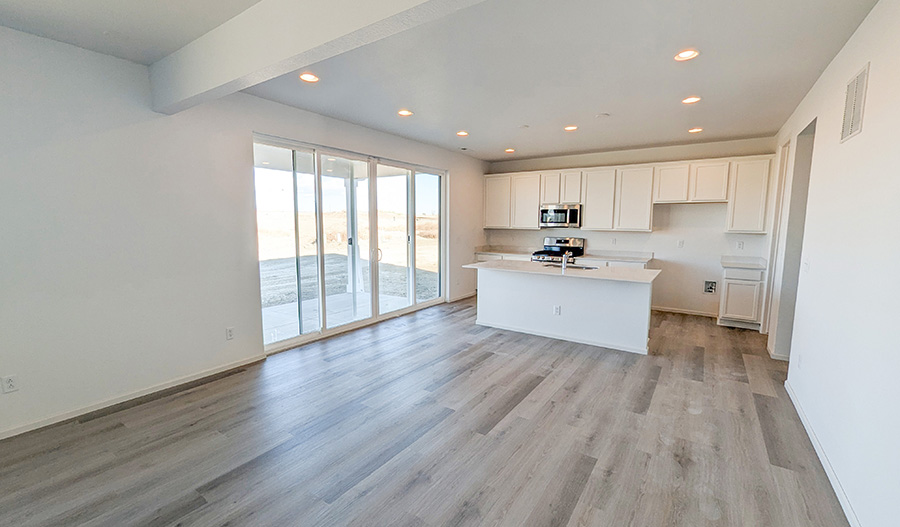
x=791 y=230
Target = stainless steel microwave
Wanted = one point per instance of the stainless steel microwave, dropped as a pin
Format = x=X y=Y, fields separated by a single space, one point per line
x=560 y=216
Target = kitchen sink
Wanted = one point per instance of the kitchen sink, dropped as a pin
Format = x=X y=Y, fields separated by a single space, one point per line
x=571 y=266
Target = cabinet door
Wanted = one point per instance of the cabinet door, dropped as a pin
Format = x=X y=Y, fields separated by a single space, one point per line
x=599 y=198
x=709 y=181
x=634 y=199
x=526 y=201
x=570 y=191
x=550 y=188
x=671 y=184
x=747 y=196
x=496 y=202
x=740 y=300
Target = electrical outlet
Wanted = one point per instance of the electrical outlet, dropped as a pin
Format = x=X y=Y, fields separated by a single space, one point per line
x=557 y=310
x=613 y=241
x=681 y=244
x=709 y=287
x=229 y=333
x=740 y=246
x=10 y=384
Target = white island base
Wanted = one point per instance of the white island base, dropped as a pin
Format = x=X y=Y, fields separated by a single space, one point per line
x=607 y=307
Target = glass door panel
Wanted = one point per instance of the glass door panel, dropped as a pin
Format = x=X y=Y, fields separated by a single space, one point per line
x=273 y=175
x=345 y=206
x=394 y=285
x=307 y=241
x=427 y=236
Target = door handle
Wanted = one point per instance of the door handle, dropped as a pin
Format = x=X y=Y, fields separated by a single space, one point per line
x=379 y=253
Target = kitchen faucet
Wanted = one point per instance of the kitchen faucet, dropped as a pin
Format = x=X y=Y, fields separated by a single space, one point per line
x=565 y=260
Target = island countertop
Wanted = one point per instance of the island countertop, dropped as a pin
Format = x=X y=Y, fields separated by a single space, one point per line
x=618 y=274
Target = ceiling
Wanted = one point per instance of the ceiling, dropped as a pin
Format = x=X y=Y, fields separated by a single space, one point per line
x=141 y=31
x=513 y=73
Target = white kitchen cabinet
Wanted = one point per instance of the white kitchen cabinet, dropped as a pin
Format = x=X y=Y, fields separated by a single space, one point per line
x=634 y=199
x=740 y=300
x=702 y=182
x=671 y=185
x=599 y=199
x=497 y=202
x=550 y=183
x=570 y=187
x=709 y=181
x=747 y=188
x=526 y=201
x=561 y=187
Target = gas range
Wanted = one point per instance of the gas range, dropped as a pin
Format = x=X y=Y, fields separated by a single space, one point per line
x=556 y=248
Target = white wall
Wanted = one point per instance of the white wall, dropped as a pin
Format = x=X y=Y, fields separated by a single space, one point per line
x=844 y=356
x=129 y=237
x=701 y=225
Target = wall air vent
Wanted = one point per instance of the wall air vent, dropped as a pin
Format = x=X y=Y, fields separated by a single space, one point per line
x=853 y=106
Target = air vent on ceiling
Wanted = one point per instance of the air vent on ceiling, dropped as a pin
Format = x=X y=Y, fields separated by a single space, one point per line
x=853 y=106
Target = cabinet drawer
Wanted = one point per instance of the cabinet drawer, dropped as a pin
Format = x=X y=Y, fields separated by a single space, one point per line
x=744 y=274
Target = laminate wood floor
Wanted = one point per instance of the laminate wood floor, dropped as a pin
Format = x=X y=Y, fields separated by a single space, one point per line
x=430 y=420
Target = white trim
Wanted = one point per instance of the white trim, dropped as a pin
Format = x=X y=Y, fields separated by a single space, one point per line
x=683 y=311
x=463 y=296
x=823 y=458
x=531 y=331
x=127 y=397
x=773 y=356
x=296 y=342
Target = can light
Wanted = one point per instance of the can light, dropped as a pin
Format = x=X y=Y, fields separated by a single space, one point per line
x=308 y=77
x=462 y=133
x=695 y=130
x=570 y=128
x=687 y=54
x=404 y=113
x=691 y=100
x=510 y=150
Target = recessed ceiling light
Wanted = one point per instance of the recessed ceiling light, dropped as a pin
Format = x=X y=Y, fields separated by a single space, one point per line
x=332 y=159
x=695 y=130
x=462 y=133
x=687 y=54
x=570 y=128
x=404 y=112
x=691 y=100
x=308 y=77
x=510 y=150
x=265 y=162
x=602 y=115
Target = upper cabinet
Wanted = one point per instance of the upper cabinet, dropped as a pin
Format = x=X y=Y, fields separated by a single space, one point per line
x=701 y=182
x=709 y=181
x=561 y=187
x=599 y=199
x=749 y=183
x=621 y=198
x=671 y=184
x=634 y=199
x=496 y=202
x=526 y=201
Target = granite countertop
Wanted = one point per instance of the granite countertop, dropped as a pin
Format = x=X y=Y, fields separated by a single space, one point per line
x=617 y=274
x=744 y=262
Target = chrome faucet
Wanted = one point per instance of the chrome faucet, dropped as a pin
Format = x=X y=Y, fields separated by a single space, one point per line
x=565 y=260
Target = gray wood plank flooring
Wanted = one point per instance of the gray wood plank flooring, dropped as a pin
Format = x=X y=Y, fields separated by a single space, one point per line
x=430 y=420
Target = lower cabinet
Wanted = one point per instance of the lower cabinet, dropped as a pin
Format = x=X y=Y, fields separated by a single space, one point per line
x=740 y=300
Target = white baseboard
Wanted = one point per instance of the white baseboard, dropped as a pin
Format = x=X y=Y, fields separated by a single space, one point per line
x=684 y=311
x=4 y=434
x=823 y=458
x=784 y=358
x=463 y=296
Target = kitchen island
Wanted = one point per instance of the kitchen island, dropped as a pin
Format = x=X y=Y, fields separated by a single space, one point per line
x=607 y=306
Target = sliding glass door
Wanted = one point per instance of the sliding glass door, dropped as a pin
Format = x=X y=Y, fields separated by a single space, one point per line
x=345 y=222
x=342 y=239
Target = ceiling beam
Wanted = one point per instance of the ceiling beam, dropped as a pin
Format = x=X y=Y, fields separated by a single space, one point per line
x=275 y=37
